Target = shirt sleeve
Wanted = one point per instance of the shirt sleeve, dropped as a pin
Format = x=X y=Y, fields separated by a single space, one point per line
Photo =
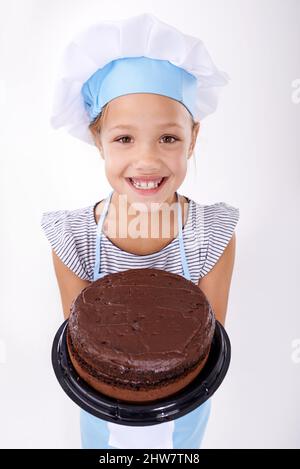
x=58 y=230
x=220 y=220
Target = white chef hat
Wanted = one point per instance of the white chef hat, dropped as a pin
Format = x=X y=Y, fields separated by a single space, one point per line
x=140 y=54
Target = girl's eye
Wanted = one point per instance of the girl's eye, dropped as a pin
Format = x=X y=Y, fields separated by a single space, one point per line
x=170 y=136
x=121 y=138
x=166 y=136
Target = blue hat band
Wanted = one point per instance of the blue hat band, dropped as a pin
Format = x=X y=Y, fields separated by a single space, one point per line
x=138 y=75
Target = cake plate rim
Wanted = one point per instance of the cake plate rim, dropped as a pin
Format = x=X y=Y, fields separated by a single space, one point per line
x=142 y=414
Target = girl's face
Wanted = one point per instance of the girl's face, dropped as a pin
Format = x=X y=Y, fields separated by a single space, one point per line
x=146 y=135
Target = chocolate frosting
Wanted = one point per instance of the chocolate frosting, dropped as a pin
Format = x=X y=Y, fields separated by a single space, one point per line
x=141 y=325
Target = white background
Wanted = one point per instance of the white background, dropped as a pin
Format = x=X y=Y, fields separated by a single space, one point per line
x=247 y=155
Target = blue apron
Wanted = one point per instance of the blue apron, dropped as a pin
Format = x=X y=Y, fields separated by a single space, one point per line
x=183 y=433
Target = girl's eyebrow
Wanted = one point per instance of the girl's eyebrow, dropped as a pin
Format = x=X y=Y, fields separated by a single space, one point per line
x=125 y=126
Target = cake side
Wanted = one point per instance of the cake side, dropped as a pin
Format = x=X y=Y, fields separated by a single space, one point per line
x=133 y=393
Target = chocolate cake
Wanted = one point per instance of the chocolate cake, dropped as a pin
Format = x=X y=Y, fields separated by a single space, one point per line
x=141 y=334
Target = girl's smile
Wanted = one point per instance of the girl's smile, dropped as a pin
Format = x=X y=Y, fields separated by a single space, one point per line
x=146 y=187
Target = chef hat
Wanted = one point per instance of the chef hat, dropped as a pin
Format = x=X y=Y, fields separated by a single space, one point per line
x=140 y=54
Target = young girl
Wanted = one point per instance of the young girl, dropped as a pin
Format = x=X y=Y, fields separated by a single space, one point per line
x=139 y=99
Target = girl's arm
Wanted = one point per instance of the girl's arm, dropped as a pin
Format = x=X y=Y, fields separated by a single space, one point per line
x=70 y=285
x=216 y=284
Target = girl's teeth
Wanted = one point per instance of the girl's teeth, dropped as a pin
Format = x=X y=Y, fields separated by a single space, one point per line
x=145 y=185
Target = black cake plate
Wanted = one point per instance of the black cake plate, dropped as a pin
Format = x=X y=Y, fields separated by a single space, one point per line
x=124 y=413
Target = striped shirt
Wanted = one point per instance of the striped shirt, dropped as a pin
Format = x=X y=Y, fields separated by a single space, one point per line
x=206 y=233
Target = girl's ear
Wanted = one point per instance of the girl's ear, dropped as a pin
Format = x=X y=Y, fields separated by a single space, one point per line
x=98 y=143
x=195 y=132
x=101 y=151
x=94 y=136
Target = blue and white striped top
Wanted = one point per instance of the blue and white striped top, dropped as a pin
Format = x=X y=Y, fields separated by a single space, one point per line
x=206 y=233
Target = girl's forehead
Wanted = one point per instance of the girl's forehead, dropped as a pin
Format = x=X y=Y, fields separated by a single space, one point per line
x=161 y=109
x=152 y=99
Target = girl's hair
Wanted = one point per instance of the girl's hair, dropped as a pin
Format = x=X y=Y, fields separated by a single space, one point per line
x=95 y=126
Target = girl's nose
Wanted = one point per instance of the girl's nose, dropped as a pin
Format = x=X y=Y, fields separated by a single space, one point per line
x=147 y=161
